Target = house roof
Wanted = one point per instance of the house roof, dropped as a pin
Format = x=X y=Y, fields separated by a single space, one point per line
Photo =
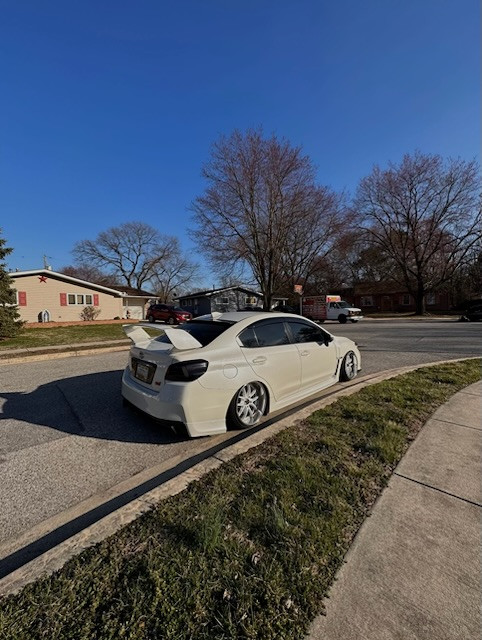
x=132 y=292
x=373 y=288
x=118 y=291
x=211 y=292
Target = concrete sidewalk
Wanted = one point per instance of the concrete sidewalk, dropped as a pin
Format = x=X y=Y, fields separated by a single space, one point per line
x=413 y=572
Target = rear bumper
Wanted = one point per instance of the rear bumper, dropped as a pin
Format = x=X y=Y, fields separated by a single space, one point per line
x=202 y=414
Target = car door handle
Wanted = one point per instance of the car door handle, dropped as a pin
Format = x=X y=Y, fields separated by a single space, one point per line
x=304 y=353
x=259 y=360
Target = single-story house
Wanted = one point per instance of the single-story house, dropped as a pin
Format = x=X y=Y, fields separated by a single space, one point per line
x=380 y=297
x=222 y=300
x=44 y=295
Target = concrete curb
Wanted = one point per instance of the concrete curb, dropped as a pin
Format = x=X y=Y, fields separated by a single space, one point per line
x=63 y=351
x=56 y=557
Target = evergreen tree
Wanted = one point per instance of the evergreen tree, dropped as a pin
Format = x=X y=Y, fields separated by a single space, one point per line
x=9 y=315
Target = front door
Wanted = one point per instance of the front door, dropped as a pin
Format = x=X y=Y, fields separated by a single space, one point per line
x=317 y=354
x=386 y=303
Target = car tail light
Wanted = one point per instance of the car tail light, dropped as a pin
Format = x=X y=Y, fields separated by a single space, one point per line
x=186 y=371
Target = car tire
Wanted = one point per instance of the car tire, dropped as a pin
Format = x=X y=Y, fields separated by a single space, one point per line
x=248 y=406
x=349 y=367
x=151 y=319
x=342 y=318
x=171 y=321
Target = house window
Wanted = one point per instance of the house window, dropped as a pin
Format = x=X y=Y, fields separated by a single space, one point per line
x=366 y=301
x=224 y=300
x=430 y=298
x=406 y=299
x=79 y=299
x=250 y=300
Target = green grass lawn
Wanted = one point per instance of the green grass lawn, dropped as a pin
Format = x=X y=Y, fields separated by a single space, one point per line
x=250 y=550
x=70 y=335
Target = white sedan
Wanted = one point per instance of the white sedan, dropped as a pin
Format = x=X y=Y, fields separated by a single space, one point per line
x=231 y=369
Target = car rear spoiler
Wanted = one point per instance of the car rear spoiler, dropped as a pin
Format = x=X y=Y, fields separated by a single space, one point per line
x=180 y=339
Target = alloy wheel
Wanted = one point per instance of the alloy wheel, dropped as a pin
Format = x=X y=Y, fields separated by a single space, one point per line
x=350 y=365
x=250 y=404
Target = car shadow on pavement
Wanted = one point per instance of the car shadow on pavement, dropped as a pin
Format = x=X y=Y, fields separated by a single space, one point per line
x=89 y=405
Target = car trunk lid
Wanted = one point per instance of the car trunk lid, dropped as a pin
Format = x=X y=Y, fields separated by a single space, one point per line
x=150 y=358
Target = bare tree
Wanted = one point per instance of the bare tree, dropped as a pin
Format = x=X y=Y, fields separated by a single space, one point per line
x=338 y=268
x=315 y=237
x=262 y=209
x=137 y=255
x=356 y=258
x=130 y=251
x=467 y=281
x=175 y=275
x=423 y=214
x=90 y=274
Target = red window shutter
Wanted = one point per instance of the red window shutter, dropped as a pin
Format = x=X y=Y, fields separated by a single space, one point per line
x=22 y=298
x=96 y=299
x=63 y=299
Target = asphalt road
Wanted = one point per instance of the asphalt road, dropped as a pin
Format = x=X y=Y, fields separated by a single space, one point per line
x=64 y=435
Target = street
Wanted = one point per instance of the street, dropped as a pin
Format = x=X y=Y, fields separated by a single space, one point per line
x=65 y=435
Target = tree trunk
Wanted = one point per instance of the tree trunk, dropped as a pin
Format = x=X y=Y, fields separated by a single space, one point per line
x=420 y=301
x=267 y=297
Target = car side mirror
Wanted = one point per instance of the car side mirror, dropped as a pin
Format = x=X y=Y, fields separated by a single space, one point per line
x=328 y=339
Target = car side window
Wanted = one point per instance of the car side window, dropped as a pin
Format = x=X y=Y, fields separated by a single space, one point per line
x=270 y=334
x=264 y=334
x=248 y=338
x=304 y=332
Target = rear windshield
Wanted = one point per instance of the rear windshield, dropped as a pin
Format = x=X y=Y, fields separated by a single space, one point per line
x=203 y=330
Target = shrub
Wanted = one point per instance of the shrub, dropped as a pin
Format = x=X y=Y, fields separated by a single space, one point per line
x=89 y=313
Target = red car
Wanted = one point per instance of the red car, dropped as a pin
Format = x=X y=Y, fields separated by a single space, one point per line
x=167 y=313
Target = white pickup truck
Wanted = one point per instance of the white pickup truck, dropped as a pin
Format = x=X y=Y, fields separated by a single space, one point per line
x=329 y=307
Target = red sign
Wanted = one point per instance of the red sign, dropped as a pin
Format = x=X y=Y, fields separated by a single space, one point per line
x=299 y=288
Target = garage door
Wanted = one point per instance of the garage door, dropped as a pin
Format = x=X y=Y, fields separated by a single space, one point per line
x=135 y=312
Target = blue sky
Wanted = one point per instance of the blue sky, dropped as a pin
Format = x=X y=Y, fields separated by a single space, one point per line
x=109 y=108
